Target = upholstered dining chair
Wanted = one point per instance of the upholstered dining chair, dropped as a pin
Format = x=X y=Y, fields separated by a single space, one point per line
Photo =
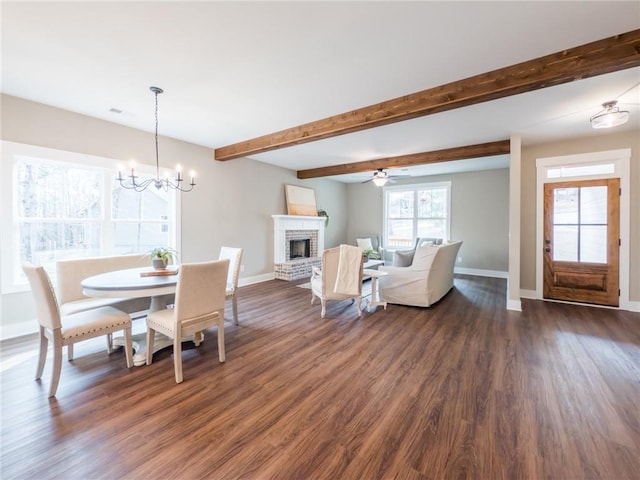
x=235 y=258
x=69 y=329
x=200 y=298
x=340 y=277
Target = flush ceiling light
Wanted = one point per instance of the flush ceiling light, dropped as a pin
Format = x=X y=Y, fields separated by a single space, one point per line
x=131 y=182
x=610 y=116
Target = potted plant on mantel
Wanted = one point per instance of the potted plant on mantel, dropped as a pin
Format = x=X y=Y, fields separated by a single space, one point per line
x=161 y=256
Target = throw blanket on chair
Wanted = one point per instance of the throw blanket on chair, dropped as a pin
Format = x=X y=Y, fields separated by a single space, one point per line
x=348 y=277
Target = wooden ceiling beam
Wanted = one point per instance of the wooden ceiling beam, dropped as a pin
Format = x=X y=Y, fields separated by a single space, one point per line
x=457 y=153
x=592 y=59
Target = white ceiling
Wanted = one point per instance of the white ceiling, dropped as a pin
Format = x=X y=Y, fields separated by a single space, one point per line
x=232 y=71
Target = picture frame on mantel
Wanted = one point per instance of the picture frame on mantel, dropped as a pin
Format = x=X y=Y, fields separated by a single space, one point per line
x=301 y=200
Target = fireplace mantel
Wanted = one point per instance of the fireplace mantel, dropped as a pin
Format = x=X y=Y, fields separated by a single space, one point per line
x=282 y=223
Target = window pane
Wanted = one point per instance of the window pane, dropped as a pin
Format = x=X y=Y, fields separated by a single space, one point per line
x=432 y=203
x=57 y=190
x=565 y=243
x=131 y=237
x=580 y=170
x=400 y=204
x=593 y=244
x=151 y=204
x=593 y=205
x=399 y=233
x=565 y=205
x=432 y=227
x=46 y=242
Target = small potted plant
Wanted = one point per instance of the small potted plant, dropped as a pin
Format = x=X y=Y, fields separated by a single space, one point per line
x=371 y=254
x=161 y=256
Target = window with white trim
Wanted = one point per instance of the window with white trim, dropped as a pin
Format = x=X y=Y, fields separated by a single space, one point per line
x=413 y=211
x=65 y=205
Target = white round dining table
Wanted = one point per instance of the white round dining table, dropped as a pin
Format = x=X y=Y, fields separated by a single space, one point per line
x=132 y=283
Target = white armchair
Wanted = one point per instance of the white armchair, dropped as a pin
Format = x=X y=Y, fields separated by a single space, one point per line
x=425 y=281
x=328 y=283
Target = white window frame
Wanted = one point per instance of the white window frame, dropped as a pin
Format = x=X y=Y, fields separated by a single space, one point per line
x=621 y=161
x=415 y=187
x=11 y=152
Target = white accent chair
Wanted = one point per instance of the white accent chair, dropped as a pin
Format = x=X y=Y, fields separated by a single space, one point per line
x=200 y=299
x=69 y=329
x=323 y=281
x=425 y=281
x=235 y=260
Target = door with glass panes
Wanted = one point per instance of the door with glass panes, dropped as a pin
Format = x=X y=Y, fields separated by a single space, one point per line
x=581 y=241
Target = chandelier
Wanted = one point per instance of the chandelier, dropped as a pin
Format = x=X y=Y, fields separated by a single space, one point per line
x=611 y=116
x=131 y=181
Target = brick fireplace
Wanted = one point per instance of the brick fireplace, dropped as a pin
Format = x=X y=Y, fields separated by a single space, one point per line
x=288 y=228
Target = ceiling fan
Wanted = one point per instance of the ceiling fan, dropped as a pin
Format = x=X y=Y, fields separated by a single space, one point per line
x=381 y=177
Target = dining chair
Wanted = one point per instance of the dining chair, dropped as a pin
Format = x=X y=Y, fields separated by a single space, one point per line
x=200 y=299
x=235 y=258
x=69 y=329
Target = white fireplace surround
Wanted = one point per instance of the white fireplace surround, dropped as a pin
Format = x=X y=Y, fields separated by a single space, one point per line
x=284 y=223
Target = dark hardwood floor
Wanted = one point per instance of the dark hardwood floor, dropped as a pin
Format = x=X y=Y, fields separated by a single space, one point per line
x=464 y=389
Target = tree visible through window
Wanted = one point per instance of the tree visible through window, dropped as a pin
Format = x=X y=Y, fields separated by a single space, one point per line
x=413 y=211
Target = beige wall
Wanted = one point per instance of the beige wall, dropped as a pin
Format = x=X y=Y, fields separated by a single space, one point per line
x=593 y=143
x=479 y=215
x=231 y=205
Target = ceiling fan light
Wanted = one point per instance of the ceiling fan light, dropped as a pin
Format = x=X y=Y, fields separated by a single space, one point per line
x=380 y=181
x=610 y=117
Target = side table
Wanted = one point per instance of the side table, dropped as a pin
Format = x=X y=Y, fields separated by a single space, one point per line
x=375 y=299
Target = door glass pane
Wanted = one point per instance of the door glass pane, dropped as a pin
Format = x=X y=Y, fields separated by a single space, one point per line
x=593 y=205
x=593 y=243
x=565 y=243
x=565 y=205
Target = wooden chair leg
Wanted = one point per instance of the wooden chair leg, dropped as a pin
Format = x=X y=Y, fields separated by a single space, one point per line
x=324 y=307
x=57 y=365
x=70 y=352
x=151 y=335
x=235 y=308
x=177 y=357
x=128 y=346
x=221 y=352
x=109 y=343
x=42 y=357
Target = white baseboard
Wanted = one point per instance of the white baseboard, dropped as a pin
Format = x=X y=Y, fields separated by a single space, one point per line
x=515 y=305
x=18 y=329
x=480 y=273
x=265 y=277
x=632 y=306
x=530 y=294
